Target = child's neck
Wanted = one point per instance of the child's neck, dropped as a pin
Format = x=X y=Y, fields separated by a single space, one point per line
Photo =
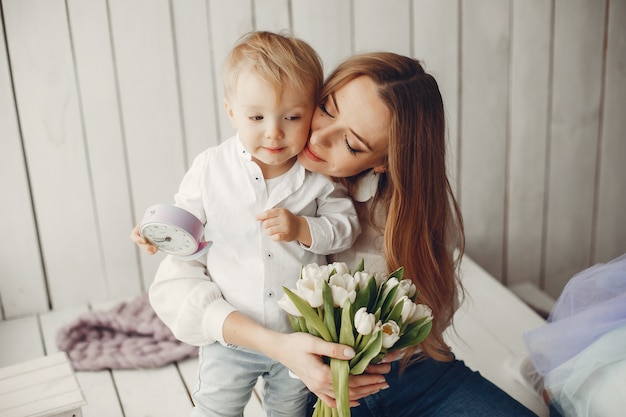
x=273 y=171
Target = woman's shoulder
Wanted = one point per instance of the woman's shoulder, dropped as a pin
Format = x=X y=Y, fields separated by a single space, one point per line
x=368 y=247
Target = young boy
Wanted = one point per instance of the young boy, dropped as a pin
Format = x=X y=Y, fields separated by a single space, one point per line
x=266 y=216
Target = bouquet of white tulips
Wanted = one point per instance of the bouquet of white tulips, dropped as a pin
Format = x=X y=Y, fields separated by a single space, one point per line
x=374 y=313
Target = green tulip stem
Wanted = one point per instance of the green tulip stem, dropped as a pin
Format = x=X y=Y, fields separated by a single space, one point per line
x=340 y=369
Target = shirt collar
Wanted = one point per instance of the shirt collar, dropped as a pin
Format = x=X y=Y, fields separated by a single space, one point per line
x=241 y=151
x=366 y=186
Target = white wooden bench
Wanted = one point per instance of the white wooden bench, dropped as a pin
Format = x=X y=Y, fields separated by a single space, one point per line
x=488 y=337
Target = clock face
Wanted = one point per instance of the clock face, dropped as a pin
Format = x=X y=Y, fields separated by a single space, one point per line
x=169 y=238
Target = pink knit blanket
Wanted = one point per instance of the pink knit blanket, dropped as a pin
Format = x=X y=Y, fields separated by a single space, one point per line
x=129 y=335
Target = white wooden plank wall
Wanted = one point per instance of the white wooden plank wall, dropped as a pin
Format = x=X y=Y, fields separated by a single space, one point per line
x=104 y=103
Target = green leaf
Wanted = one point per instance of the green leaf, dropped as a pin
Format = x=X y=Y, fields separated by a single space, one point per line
x=295 y=324
x=395 y=315
x=312 y=319
x=379 y=357
x=361 y=266
x=385 y=306
x=362 y=341
x=363 y=358
x=340 y=370
x=329 y=311
x=398 y=273
x=414 y=336
x=302 y=324
x=346 y=332
x=364 y=296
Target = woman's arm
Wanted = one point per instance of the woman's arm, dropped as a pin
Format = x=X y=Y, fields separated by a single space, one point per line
x=188 y=301
x=302 y=353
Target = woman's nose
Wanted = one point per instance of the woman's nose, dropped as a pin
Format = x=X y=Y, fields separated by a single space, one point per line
x=320 y=136
x=320 y=130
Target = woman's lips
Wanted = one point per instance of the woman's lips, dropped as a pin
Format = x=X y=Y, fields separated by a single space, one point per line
x=311 y=155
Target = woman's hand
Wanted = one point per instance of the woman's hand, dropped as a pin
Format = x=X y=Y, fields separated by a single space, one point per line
x=141 y=242
x=302 y=354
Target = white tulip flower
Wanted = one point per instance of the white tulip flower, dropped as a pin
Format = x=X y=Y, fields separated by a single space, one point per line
x=364 y=322
x=340 y=267
x=421 y=311
x=380 y=278
x=391 y=333
x=286 y=304
x=391 y=284
x=316 y=272
x=408 y=308
x=342 y=287
x=362 y=278
x=311 y=290
x=405 y=287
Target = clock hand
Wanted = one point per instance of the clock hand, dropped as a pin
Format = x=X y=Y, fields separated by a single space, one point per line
x=166 y=239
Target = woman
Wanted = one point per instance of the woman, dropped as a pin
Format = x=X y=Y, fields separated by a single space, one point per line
x=380 y=130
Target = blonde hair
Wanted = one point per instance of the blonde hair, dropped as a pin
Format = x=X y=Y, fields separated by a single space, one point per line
x=278 y=59
x=423 y=221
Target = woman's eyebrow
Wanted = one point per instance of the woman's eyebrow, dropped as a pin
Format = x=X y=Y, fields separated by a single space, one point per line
x=359 y=137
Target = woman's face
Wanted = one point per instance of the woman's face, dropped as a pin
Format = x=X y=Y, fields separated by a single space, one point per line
x=349 y=132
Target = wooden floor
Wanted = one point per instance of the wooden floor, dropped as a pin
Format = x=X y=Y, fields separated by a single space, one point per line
x=488 y=337
x=161 y=392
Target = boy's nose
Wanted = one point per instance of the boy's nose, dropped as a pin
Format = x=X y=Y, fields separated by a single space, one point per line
x=274 y=131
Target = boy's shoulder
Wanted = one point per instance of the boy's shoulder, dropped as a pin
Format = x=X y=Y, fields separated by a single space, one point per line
x=321 y=180
x=220 y=151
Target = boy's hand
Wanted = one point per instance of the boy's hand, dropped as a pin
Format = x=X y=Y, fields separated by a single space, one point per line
x=283 y=225
x=141 y=242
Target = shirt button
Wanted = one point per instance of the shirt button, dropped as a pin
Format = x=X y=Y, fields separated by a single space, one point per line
x=269 y=294
x=269 y=255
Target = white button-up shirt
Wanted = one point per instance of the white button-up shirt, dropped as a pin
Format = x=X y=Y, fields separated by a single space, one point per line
x=245 y=269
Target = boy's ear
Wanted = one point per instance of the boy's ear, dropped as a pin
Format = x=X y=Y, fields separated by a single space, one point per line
x=229 y=112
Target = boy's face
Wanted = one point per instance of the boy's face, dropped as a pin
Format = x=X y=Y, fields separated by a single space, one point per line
x=273 y=129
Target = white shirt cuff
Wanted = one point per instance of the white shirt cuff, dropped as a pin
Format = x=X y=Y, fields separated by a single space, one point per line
x=214 y=317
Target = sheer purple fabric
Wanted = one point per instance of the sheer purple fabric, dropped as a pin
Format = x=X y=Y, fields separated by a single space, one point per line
x=592 y=303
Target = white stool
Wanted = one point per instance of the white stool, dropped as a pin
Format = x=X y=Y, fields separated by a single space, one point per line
x=44 y=387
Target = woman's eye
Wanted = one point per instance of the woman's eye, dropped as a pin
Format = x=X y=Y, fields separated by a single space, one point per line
x=350 y=148
x=323 y=109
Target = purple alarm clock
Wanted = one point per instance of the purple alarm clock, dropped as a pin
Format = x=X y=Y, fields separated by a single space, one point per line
x=174 y=231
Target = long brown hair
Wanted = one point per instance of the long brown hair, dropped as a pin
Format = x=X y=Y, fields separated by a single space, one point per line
x=423 y=223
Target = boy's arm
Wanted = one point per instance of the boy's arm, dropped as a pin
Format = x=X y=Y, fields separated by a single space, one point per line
x=336 y=224
x=282 y=225
x=334 y=228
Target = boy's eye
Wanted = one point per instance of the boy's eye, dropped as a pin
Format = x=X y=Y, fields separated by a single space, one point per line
x=292 y=118
x=256 y=118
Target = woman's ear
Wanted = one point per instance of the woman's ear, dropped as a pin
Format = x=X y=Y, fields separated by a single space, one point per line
x=380 y=169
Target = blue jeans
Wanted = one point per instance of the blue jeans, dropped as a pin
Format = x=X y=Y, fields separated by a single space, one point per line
x=227 y=375
x=439 y=389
